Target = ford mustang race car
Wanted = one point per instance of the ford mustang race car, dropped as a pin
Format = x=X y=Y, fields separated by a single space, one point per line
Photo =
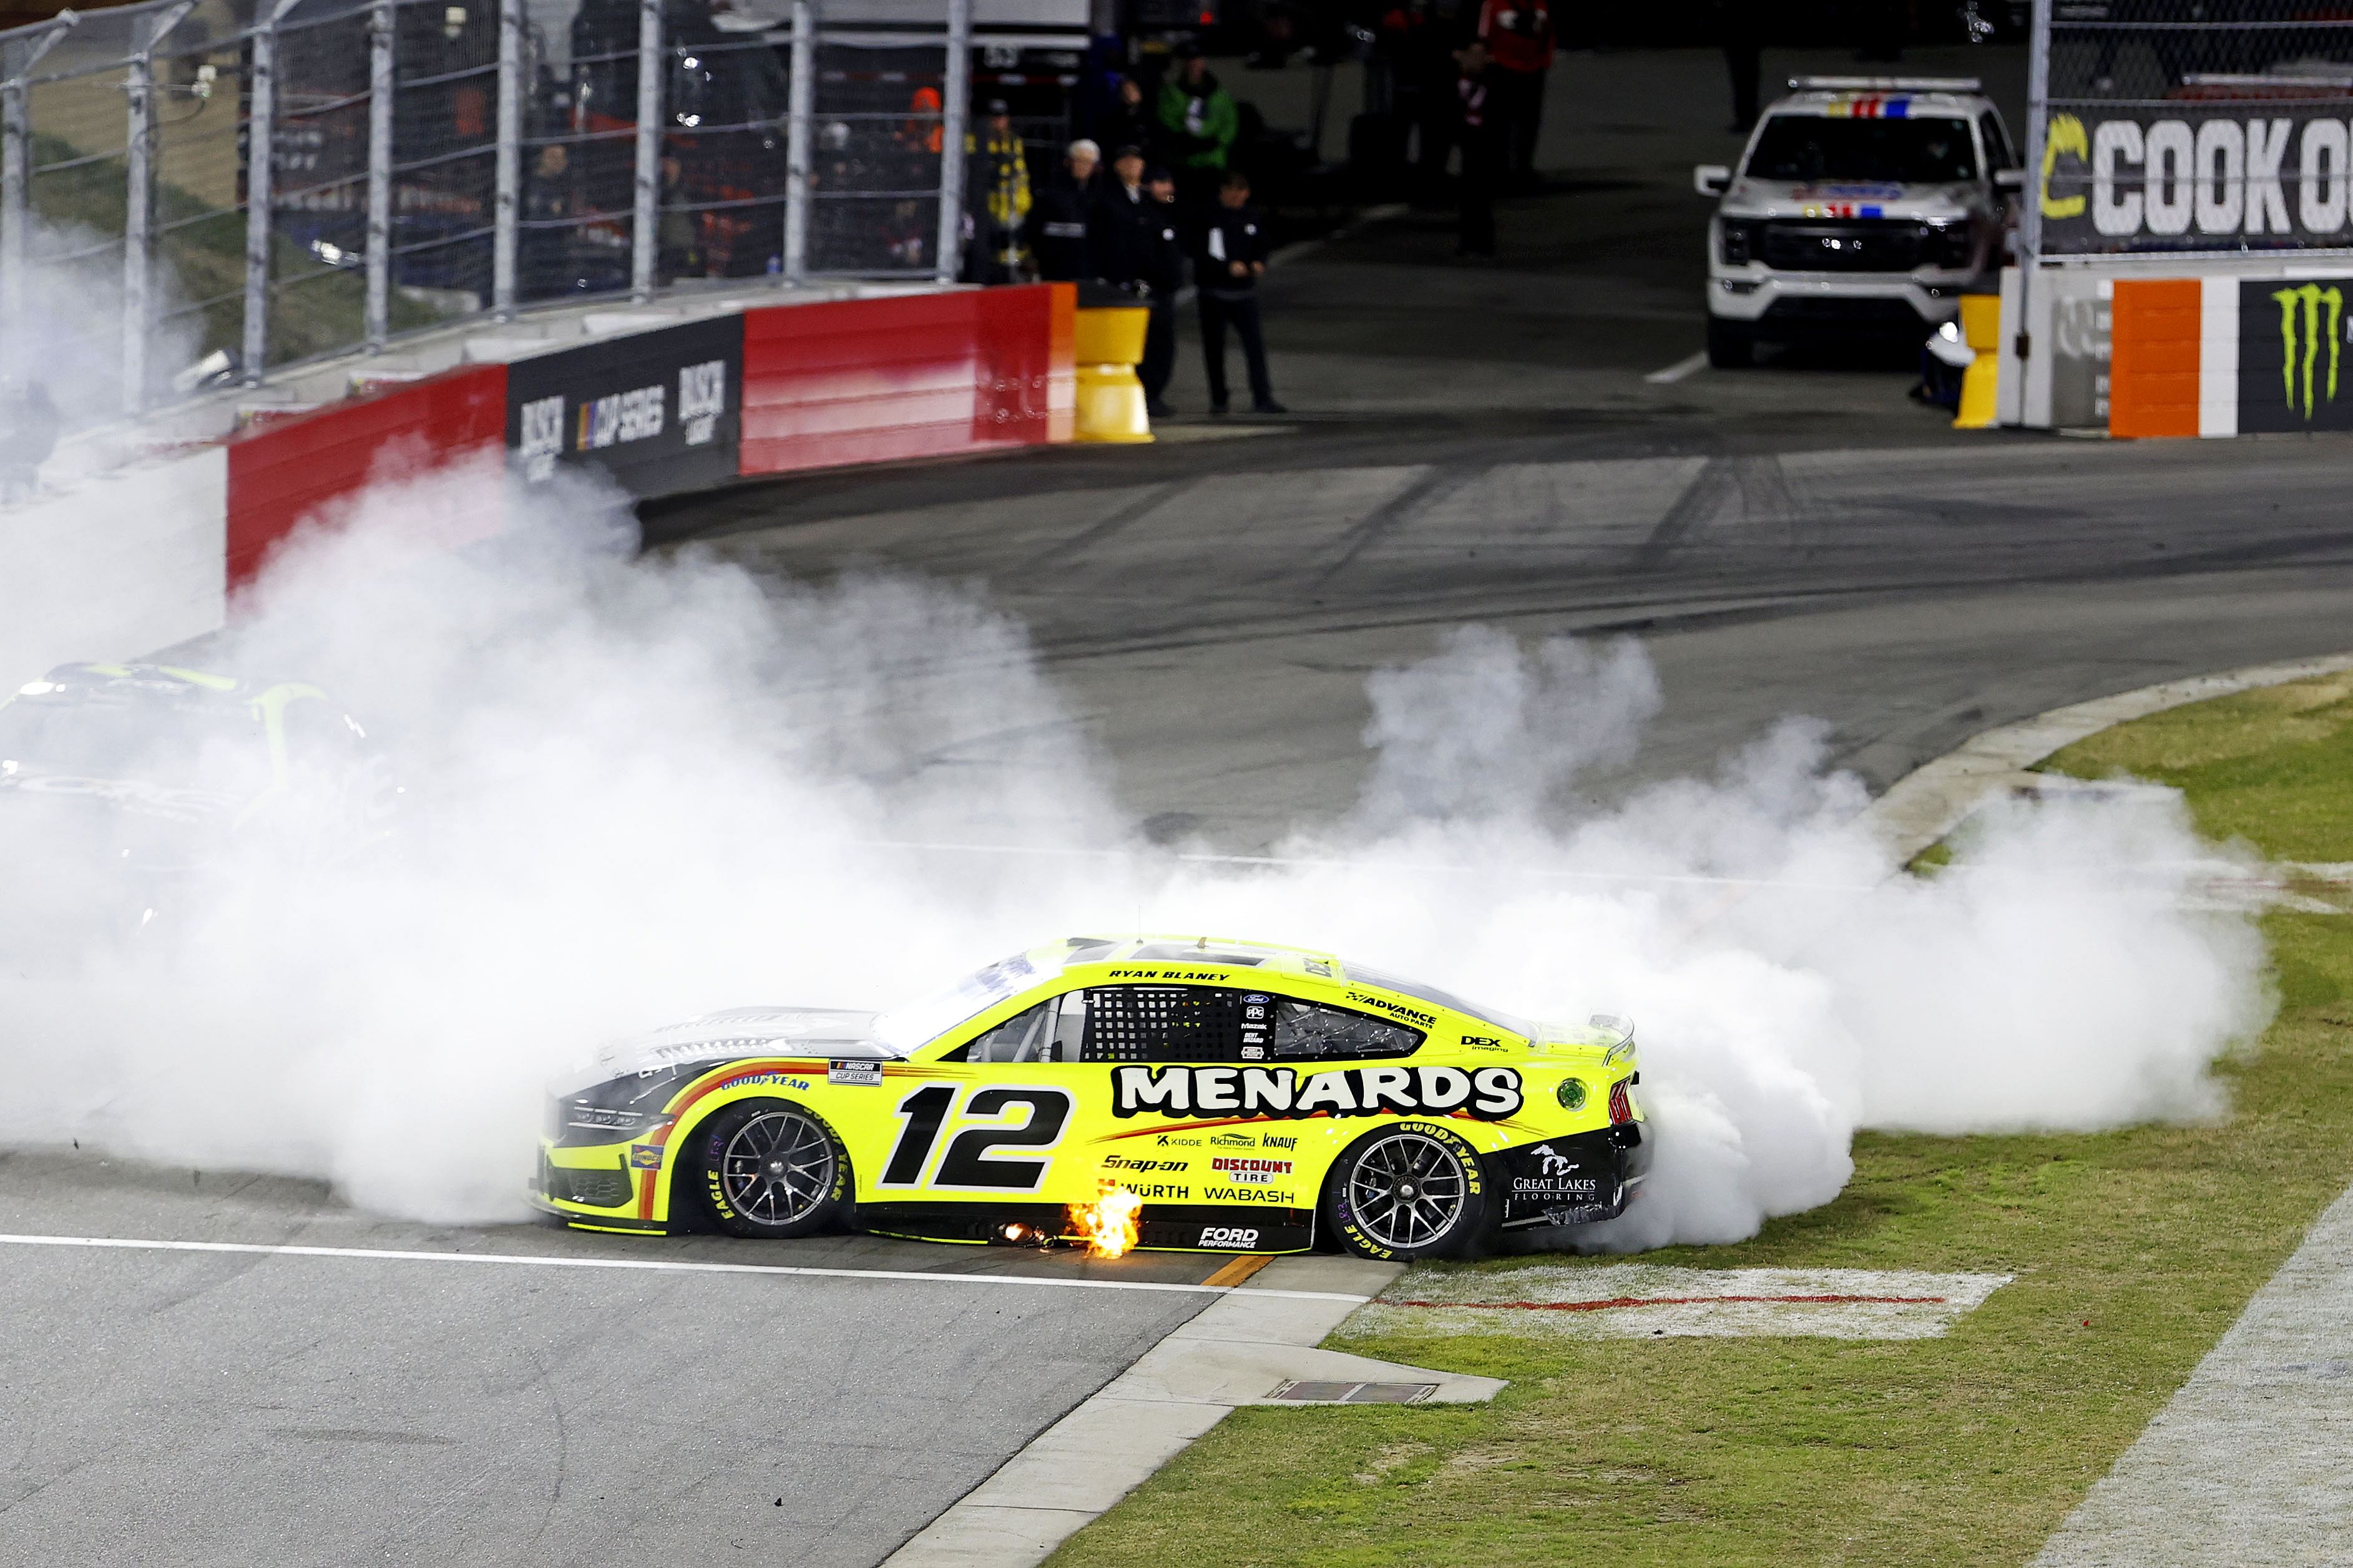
x=118 y=782
x=1209 y=1094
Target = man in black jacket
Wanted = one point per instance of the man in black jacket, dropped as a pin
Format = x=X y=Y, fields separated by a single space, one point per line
x=1059 y=222
x=1116 y=226
x=1160 y=267
x=1227 y=269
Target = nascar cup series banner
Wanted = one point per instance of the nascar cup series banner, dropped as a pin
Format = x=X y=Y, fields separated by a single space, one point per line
x=2197 y=177
x=660 y=411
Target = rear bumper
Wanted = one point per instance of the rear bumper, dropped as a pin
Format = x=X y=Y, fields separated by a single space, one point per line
x=1573 y=1180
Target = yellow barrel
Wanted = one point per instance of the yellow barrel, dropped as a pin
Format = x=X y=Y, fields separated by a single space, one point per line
x=1107 y=345
x=1981 y=330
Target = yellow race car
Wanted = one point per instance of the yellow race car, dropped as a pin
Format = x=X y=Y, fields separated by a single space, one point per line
x=1162 y=1092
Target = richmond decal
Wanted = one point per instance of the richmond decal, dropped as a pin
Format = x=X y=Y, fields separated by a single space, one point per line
x=1489 y=1093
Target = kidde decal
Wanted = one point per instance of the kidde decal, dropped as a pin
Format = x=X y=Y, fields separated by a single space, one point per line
x=1490 y=1093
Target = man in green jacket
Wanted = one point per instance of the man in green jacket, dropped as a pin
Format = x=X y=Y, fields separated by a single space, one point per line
x=1199 y=119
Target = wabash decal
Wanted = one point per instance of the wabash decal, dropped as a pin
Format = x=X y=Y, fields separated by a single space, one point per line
x=1490 y=1093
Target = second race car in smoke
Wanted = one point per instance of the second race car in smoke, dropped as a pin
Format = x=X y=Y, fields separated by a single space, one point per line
x=121 y=783
x=1179 y=1093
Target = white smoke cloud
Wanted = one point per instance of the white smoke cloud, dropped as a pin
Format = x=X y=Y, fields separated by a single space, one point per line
x=644 y=789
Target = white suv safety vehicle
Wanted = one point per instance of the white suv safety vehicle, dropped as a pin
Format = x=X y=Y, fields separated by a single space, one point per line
x=1862 y=207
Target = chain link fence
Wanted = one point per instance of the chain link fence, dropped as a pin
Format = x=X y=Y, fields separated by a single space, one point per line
x=2206 y=126
x=200 y=190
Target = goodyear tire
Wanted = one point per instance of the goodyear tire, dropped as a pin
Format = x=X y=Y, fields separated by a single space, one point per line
x=767 y=1168
x=1407 y=1191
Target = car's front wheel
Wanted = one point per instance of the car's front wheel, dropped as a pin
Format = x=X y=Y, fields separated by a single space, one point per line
x=767 y=1168
x=1407 y=1191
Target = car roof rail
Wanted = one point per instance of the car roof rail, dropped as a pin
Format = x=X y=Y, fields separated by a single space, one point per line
x=1885 y=84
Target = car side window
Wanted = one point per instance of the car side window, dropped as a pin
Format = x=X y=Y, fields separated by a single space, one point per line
x=1997 y=144
x=1161 y=1023
x=1049 y=1031
x=1313 y=1031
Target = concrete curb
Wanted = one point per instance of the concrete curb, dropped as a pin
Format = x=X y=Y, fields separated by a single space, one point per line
x=1929 y=801
x=1236 y=1352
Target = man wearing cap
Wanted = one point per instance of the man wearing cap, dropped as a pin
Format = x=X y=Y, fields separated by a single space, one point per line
x=1115 y=221
x=1058 y=223
x=1199 y=123
x=1160 y=267
x=998 y=163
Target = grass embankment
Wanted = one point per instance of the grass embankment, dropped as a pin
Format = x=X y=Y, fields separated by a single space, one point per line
x=2134 y=1250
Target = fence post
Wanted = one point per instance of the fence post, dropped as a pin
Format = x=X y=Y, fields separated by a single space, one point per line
x=139 y=203
x=955 y=101
x=506 y=212
x=15 y=182
x=653 y=66
x=2038 y=125
x=261 y=132
x=800 y=114
x=382 y=26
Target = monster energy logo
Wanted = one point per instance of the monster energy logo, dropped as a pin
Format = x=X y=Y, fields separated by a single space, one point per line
x=2312 y=296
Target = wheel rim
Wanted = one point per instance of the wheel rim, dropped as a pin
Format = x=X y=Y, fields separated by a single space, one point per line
x=777 y=1167
x=1406 y=1190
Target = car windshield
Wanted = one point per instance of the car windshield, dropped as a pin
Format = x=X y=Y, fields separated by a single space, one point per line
x=926 y=1019
x=1432 y=994
x=217 y=748
x=1813 y=147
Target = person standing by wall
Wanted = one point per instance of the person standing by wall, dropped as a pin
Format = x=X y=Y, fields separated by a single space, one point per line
x=1231 y=260
x=1199 y=124
x=1059 y=222
x=1160 y=267
x=1519 y=38
x=998 y=163
x=1115 y=221
x=1482 y=152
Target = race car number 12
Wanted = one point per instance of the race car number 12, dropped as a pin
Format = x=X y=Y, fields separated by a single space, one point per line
x=965 y=1164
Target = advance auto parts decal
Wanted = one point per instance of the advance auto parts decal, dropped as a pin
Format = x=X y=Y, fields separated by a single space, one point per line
x=2295 y=371
x=1490 y=1093
x=662 y=412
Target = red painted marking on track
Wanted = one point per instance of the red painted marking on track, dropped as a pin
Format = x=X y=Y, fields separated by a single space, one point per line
x=1680 y=1302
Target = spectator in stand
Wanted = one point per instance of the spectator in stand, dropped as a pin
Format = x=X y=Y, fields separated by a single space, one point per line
x=1059 y=222
x=1128 y=122
x=1116 y=226
x=1482 y=152
x=995 y=159
x=1160 y=267
x=1199 y=124
x=1517 y=35
x=1231 y=260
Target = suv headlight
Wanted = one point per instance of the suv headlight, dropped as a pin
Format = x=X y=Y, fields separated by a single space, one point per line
x=1738 y=240
x=617 y=1108
x=1945 y=244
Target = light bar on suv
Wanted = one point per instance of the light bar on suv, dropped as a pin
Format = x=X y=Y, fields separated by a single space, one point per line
x=1885 y=84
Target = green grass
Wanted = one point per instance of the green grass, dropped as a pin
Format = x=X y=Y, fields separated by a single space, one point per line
x=2133 y=1249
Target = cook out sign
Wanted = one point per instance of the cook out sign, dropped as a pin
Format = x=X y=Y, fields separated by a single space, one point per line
x=2211 y=183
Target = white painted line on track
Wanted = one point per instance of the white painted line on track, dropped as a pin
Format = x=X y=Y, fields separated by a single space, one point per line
x=655 y=1265
x=1677 y=371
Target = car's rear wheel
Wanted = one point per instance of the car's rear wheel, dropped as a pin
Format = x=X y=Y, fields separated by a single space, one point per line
x=1406 y=1191
x=767 y=1168
x=1729 y=347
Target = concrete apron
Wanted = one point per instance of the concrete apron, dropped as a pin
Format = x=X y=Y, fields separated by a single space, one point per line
x=1244 y=1348
x=1238 y=1352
